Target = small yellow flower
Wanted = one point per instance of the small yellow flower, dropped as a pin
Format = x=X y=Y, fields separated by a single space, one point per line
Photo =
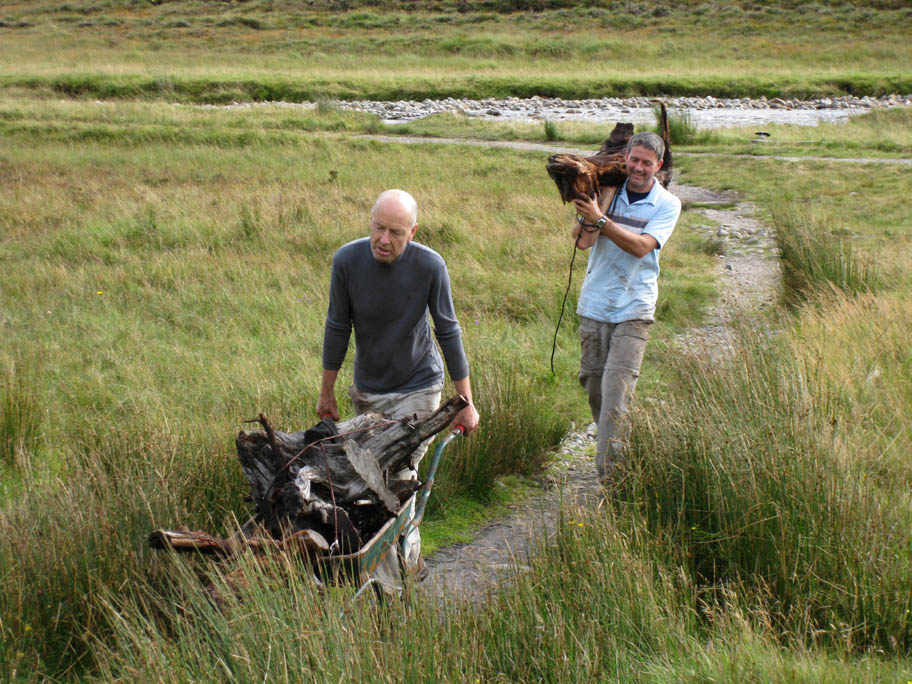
x=28 y=628
x=579 y=524
x=100 y=292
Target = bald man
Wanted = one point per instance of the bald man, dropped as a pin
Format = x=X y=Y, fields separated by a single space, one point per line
x=384 y=286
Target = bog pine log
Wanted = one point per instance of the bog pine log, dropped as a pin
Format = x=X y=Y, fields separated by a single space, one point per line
x=580 y=177
x=327 y=489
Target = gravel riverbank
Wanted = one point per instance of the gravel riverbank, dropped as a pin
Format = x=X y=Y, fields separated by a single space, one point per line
x=705 y=112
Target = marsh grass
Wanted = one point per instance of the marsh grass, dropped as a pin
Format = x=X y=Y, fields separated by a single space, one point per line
x=179 y=285
x=753 y=476
x=815 y=258
x=598 y=600
x=171 y=263
x=547 y=627
x=20 y=417
x=203 y=53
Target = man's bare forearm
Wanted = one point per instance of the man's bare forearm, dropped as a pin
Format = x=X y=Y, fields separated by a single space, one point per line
x=639 y=245
x=467 y=418
x=326 y=402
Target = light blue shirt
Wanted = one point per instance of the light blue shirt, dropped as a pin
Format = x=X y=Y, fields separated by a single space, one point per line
x=618 y=286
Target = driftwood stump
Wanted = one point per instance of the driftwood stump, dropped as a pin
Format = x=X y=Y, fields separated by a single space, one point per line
x=579 y=177
x=325 y=490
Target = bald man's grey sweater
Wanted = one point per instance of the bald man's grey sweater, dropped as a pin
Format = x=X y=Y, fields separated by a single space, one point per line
x=388 y=306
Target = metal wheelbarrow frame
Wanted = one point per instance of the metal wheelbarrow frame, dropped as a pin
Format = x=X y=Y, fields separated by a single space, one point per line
x=391 y=537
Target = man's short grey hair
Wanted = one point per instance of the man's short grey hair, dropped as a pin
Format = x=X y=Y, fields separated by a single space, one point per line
x=405 y=199
x=650 y=141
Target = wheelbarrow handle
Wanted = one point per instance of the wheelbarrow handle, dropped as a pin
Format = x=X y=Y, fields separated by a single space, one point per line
x=425 y=491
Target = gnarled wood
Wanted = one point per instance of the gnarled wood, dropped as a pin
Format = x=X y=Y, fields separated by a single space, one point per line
x=306 y=542
x=580 y=177
x=325 y=489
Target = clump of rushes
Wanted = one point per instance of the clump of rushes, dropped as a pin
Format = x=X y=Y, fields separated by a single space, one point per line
x=816 y=258
x=20 y=417
x=751 y=477
x=521 y=427
x=551 y=131
x=681 y=128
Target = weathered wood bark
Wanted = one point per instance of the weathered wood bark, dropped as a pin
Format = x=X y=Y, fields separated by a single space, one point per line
x=333 y=479
x=326 y=489
x=579 y=177
x=307 y=541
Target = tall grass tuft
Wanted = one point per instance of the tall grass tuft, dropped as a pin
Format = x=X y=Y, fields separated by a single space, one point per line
x=681 y=128
x=20 y=417
x=61 y=544
x=816 y=258
x=520 y=428
x=750 y=476
x=551 y=131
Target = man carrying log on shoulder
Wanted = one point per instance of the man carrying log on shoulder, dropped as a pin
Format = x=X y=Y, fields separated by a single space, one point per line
x=384 y=286
x=618 y=297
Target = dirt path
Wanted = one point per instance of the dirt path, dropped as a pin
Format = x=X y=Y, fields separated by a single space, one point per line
x=748 y=277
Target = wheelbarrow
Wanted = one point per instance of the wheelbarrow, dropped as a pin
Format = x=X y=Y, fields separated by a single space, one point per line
x=361 y=565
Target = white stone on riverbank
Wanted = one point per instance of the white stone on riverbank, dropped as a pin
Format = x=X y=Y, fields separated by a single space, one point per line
x=706 y=112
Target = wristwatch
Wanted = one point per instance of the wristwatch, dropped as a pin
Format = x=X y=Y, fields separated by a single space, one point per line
x=602 y=221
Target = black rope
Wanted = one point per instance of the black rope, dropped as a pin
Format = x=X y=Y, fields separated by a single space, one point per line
x=563 y=303
x=570 y=274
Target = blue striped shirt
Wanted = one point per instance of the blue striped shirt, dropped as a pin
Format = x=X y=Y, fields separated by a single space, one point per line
x=619 y=286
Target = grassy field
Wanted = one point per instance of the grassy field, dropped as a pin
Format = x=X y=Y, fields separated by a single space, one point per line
x=165 y=269
x=279 y=50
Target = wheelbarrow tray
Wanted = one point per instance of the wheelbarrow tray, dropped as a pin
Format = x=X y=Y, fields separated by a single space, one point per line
x=361 y=564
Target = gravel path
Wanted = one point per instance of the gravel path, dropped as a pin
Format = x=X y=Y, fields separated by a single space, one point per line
x=474 y=571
